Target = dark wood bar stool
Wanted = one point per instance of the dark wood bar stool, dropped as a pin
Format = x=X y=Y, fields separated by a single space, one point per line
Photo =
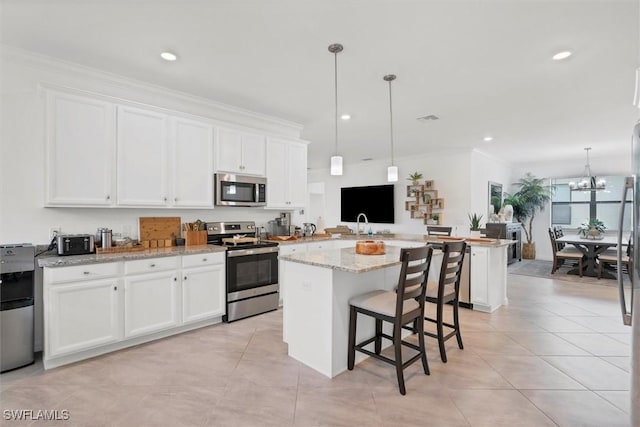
x=446 y=291
x=399 y=308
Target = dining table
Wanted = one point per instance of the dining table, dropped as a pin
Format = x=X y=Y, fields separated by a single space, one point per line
x=591 y=248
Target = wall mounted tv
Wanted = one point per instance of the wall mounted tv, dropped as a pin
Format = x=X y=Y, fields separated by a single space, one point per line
x=375 y=201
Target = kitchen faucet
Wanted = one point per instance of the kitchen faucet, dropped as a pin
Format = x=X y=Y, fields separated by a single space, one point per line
x=358 y=223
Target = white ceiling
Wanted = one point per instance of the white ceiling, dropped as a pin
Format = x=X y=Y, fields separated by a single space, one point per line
x=483 y=67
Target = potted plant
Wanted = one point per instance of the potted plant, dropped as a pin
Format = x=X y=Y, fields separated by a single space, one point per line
x=592 y=229
x=435 y=219
x=415 y=178
x=530 y=198
x=474 y=224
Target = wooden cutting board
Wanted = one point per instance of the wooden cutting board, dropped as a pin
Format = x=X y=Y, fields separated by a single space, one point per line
x=159 y=227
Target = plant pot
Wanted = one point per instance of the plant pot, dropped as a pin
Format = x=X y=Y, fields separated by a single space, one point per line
x=529 y=250
x=475 y=233
x=416 y=182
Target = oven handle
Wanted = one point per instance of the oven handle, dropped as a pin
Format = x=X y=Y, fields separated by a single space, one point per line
x=256 y=251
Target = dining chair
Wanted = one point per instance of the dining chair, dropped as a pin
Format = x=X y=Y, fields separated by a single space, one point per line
x=438 y=230
x=405 y=306
x=610 y=257
x=567 y=254
x=559 y=232
x=446 y=291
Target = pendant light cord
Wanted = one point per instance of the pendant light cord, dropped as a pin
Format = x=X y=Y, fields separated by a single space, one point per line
x=335 y=55
x=391 y=122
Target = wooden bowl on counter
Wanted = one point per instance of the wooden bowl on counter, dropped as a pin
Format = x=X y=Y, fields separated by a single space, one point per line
x=370 y=247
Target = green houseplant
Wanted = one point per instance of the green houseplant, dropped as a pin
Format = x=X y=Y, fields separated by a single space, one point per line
x=474 y=224
x=415 y=177
x=592 y=229
x=531 y=197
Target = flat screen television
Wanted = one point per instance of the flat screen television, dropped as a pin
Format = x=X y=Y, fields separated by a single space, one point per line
x=375 y=201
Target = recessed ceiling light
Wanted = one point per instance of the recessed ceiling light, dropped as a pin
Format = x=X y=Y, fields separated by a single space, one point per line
x=487 y=139
x=561 y=55
x=168 y=56
x=345 y=117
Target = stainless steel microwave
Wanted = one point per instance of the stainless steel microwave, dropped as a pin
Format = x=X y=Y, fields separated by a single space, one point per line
x=240 y=190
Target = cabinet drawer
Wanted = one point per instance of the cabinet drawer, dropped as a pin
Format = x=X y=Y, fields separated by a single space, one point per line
x=83 y=272
x=200 y=260
x=291 y=249
x=150 y=265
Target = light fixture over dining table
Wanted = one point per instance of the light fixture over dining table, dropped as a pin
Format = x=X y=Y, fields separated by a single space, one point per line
x=588 y=182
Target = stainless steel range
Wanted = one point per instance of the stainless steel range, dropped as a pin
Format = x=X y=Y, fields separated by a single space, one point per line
x=252 y=269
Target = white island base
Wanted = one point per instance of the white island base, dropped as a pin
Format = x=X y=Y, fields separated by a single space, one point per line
x=316 y=312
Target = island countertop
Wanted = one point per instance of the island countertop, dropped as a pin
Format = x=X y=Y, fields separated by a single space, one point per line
x=405 y=237
x=66 y=261
x=346 y=259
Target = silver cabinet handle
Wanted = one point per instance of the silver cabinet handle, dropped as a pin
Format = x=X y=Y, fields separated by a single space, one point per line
x=115 y=288
x=108 y=197
x=185 y=277
x=175 y=279
x=152 y=265
x=164 y=198
x=86 y=273
x=204 y=260
x=175 y=199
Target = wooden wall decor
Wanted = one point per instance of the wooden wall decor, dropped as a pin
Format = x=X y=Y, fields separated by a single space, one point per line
x=424 y=203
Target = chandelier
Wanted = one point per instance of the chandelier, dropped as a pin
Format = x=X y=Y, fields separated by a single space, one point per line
x=588 y=182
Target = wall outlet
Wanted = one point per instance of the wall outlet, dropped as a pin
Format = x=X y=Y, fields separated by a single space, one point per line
x=54 y=231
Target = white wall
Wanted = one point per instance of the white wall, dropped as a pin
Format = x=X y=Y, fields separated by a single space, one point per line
x=450 y=171
x=22 y=215
x=485 y=168
x=600 y=166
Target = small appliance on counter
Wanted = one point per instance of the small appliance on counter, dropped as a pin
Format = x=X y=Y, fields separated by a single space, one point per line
x=75 y=244
x=280 y=226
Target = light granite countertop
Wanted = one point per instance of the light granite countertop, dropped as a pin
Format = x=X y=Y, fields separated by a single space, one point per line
x=347 y=259
x=71 y=260
x=391 y=237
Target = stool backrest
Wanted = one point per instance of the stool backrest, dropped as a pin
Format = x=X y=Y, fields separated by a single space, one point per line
x=414 y=272
x=451 y=269
x=437 y=230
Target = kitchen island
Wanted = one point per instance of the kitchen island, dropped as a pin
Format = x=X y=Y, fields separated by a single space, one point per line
x=317 y=286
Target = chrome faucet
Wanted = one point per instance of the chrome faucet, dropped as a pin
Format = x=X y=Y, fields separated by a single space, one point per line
x=358 y=223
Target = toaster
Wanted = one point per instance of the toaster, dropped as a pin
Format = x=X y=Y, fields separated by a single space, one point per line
x=75 y=244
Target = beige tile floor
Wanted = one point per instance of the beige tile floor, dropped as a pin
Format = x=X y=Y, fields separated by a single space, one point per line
x=557 y=355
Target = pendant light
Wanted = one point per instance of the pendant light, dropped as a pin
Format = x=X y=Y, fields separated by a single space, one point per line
x=392 y=171
x=588 y=182
x=336 y=160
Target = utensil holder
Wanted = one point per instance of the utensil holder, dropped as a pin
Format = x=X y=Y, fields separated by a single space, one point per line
x=195 y=238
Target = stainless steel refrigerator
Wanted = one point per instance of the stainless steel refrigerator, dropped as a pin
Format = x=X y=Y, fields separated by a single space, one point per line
x=630 y=302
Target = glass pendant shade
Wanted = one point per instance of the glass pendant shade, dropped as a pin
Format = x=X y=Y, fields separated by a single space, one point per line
x=392 y=174
x=588 y=182
x=336 y=165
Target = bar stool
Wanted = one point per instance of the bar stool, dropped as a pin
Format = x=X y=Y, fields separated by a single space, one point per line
x=446 y=291
x=398 y=308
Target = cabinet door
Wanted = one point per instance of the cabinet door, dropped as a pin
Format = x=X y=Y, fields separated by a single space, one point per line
x=297 y=175
x=203 y=293
x=253 y=154
x=80 y=151
x=277 y=174
x=142 y=166
x=81 y=315
x=228 y=156
x=479 y=276
x=192 y=164
x=150 y=303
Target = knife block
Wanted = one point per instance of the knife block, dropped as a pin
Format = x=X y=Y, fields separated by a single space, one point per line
x=195 y=238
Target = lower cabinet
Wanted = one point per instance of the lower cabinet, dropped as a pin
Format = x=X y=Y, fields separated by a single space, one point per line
x=81 y=316
x=150 y=303
x=203 y=293
x=488 y=277
x=87 y=314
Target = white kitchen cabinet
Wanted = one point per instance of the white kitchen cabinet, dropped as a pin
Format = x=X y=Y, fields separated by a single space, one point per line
x=81 y=315
x=240 y=152
x=203 y=293
x=320 y=245
x=286 y=174
x=80 y=151
x=192 y=163
x=150 y=302
x=142 y=157
x=488 y=279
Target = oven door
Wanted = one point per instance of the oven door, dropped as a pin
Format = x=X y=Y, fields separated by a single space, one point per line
x=251 y=272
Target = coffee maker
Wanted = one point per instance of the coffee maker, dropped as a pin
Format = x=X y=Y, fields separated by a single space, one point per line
x=280 y=226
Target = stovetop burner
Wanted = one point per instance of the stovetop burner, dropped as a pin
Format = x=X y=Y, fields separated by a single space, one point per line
x=232 y=234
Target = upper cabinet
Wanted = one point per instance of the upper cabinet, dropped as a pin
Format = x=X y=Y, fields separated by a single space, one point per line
x=80 y=151
x=286 y=174
x=192 y=156
x=142 y=157
x=240 y=152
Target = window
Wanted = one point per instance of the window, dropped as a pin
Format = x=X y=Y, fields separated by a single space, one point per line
x=571 y=208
